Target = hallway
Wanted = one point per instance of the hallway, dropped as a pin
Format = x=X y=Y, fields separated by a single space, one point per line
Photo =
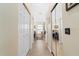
x=39 y=49
x=39 y=29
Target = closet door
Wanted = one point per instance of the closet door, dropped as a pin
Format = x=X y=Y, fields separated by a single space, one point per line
x=23 y=27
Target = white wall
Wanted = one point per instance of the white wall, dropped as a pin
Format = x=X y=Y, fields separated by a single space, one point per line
x=46 y=27
x=71 y=20
x=32 y=30
x=8 y=29
x=49 y=32
x=24 y=31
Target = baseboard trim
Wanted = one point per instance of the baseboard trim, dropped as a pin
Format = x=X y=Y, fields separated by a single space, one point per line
x=28 y=52
x=51 y=51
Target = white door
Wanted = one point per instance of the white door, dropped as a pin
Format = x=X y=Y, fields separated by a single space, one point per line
x=23 y=31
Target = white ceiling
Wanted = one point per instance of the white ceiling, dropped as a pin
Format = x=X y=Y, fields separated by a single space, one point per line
x=40 y=10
